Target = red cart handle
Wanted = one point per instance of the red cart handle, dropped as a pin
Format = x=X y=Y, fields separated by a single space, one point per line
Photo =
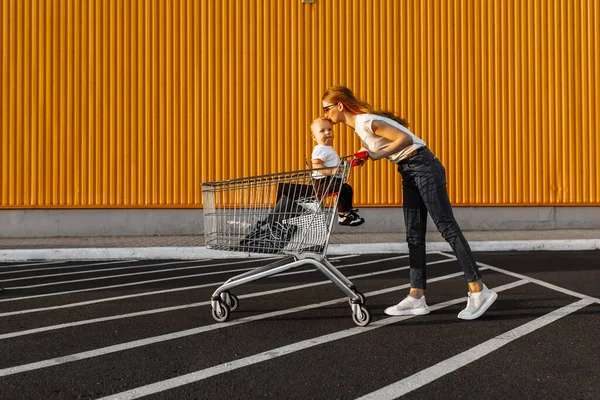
x=359 y=158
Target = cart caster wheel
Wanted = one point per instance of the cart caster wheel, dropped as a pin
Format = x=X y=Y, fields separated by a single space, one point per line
x=364 y=319
x=223 y=314
x=233 y=302
x=362 y=297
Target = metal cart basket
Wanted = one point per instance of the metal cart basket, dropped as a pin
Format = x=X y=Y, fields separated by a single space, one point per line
x=288 y=214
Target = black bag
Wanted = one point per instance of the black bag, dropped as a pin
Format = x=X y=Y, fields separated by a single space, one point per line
x=271 y=234
x=268 y=237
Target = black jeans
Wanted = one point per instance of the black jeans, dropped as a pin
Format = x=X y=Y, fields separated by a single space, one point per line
x=331 y=184
x=424 y=190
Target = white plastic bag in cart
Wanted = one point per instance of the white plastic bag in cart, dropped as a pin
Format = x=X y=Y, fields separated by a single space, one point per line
x=311 y=232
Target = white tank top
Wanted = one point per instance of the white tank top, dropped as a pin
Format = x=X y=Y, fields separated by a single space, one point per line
x=375 y=143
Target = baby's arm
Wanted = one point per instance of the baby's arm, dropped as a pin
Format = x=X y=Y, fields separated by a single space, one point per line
x=318 y=163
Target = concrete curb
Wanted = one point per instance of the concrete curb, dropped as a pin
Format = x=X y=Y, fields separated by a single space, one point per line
x=191 y=253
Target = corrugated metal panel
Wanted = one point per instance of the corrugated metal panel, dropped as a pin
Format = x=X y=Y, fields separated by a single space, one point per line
x=133 y=103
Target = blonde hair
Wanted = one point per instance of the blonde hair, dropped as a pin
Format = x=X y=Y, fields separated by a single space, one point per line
x=341 y=94
x=312 y=124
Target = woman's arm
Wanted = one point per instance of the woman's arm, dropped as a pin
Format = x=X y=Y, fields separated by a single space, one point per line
x=399 y=139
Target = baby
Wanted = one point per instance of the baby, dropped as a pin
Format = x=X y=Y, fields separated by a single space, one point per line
x=325 y=156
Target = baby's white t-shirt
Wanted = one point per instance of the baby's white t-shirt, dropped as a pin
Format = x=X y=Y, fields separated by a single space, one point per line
x=328 y=155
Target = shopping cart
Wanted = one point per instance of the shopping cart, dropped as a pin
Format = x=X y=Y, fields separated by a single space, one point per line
x=288 y=214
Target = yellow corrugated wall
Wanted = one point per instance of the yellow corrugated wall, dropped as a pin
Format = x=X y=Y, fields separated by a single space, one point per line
x=133 y=103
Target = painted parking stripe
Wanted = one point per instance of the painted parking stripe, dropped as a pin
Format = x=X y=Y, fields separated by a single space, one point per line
x=89 y=302
x=113 y=270
x=105 y=276
x=126 y=267
x=313 y=270
x=544 y=284
x=145 y=293
x=128 y=284
x=445 y=367
x=107 y=299
x=94 y=264
x=189 y=332
x=184 y=306
x=341 y=257
x=125 y=284
x=24 y=278
x=32 y=264
x=533 y=280
x=281 y=351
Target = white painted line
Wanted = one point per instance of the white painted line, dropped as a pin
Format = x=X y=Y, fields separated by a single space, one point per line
x=371 y=248
x=94 y=264
x=181 y=307
x=452 y=364
x=543 y=283
x=533 y=280
x=341 y=266
x=30 y=264
x=341 y=257
x=275 y=353
x=98 y=278
x=115 y=286
x=107 y=299
x=20 y=271
x=189 y=332
x=143 y=282
x=129 y=284
x=89 y=302
x=174 y=308
x=24 y=278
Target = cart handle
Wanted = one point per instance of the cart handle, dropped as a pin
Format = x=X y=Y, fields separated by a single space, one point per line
x=359 y=158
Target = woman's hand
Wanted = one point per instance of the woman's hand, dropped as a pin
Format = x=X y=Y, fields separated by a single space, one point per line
x=360 y=161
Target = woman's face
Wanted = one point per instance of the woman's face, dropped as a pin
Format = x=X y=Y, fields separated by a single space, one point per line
x=331 y=111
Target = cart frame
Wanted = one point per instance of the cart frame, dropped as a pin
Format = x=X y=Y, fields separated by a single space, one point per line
x=287 y=214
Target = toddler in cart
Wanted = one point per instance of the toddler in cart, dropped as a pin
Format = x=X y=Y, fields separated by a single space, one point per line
x=325 y=156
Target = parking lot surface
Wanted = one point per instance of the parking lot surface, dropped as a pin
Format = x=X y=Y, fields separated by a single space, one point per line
x=128 y=329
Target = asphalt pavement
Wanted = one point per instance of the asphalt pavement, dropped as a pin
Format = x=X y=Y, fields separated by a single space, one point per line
x=143 y=328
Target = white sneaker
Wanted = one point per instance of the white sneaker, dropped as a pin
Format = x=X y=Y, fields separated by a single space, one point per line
x=476 y=306
x=409 y=306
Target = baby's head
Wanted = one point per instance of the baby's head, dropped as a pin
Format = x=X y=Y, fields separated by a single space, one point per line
x=322 y=131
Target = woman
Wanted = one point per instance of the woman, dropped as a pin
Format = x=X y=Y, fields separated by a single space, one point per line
x=385 y=135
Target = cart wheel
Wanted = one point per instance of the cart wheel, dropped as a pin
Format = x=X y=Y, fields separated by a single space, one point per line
x=363 y=299
x=223 y=315
x=364 y=320
x=233 y=302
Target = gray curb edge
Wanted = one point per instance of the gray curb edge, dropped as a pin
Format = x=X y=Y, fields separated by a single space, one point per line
x=192 y=253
